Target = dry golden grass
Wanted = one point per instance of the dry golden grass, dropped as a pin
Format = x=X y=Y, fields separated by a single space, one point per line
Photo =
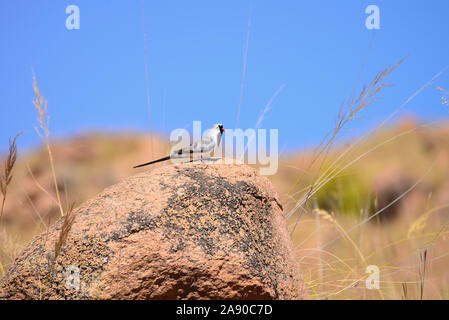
x=5 y=181
x=67 y=224
x=40 y=103
x=335 y=247
x=338 y=271
x=6 y=178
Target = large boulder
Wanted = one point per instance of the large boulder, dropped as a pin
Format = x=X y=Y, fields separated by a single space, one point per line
x=189 y=231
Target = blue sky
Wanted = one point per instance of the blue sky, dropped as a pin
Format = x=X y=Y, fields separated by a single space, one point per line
x=94 y=77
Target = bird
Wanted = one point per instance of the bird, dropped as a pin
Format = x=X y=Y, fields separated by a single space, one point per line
x=207 y=144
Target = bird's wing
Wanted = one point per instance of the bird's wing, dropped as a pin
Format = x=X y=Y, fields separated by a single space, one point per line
x=204 y=145
x=207 y=144
x=182 y=151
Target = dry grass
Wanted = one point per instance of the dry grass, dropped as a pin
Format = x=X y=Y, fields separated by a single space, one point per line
x=338 y=272
x=404 y=291
x=69 y=219
x=6 y=178
x=349 y=111
x=444 y=97
x=67 y=224
x=422 y=271
x=335 y=252
x=40 y=103
x=10 y=247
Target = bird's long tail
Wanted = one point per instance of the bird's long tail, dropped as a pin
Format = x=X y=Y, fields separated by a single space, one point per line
x=151 y=162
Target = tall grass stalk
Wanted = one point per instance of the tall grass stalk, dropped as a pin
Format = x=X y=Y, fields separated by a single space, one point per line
x=261 y=117
x=6 y=178
x=336 y=170
x=349 y=111
x=245 y=59
x=147 y=79
x=44 y=122
x=325 y=145
x=422 y=272
x=348 y=151
x=69 y=219
x=404 y=290
x=444 y=97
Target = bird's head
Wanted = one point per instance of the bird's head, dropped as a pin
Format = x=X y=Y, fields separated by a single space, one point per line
x=219 y=126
